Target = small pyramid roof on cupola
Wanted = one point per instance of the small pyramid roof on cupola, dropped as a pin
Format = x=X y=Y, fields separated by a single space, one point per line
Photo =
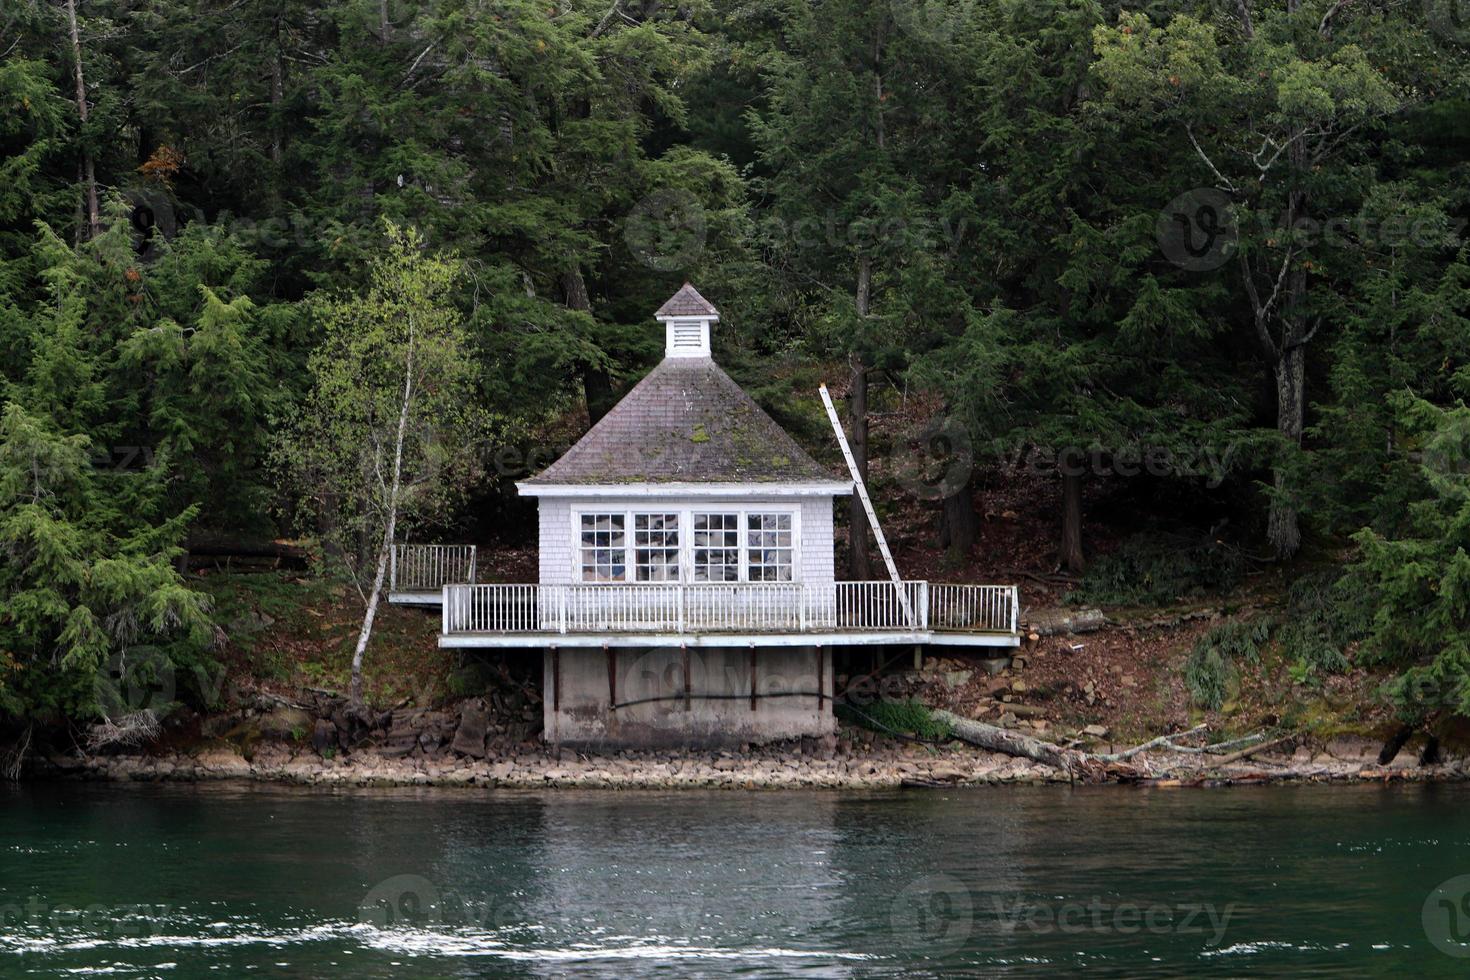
x=687 y=302
x=687 y=422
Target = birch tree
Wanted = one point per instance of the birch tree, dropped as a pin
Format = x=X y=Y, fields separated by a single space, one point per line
x=384 y=438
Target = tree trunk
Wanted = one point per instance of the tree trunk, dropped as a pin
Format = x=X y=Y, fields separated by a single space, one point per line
x=1008 y=742
x=278 y=98
x=596 y=385
x=89 y=171
x=1072 y=523
x=1283 y=527
x=1282 y=523
x=390 y=528
x=957 y=522
x=597 y=389
x=859 y=563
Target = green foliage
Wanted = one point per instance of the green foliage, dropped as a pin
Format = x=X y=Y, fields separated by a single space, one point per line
x=908 y=716
x=1413 y=588
x=1212 y=667
x=1156 y=569
x=96 y=621
x=965 y=198
x=1321 y=621
x=389 y=433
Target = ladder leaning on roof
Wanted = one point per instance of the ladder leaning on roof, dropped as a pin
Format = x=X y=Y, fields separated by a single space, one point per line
x=862 y=492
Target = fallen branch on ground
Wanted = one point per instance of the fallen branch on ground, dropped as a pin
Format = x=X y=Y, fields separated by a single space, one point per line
x=1152 y=743
x=131 y=729
x=1089 y=765
x=1248 y=752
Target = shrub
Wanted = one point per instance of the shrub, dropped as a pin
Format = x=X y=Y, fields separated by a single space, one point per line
x=1155 y=568
x=1211 y=666
x=1318 y=625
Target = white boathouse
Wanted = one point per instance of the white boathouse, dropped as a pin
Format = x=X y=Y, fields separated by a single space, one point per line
x=687 y=587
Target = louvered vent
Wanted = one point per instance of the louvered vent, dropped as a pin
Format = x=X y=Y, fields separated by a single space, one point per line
x=687 y=335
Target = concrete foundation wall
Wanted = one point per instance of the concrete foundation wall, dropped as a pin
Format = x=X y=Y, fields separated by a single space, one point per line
x=579 y=690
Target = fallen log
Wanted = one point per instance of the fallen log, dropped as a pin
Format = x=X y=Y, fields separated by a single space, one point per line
x=1071 y=761
x=1009 y=742
x=284 y=555
x=1087 y=765
x=1246 y=753
x=1050 y=622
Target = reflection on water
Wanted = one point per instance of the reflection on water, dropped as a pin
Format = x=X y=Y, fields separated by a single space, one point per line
x=177 y=881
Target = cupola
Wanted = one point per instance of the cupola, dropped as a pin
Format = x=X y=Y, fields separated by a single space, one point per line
x=686 y=318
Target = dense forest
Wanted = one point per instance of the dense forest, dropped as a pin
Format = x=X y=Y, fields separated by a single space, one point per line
x=1210 y=256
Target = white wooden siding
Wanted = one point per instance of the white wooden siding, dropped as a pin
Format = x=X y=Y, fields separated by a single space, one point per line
x=558 y=533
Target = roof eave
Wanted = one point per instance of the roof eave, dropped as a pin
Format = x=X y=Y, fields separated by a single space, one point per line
x=754 y=488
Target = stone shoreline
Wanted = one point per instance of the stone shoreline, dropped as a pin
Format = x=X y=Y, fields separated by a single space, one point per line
x=783 y=767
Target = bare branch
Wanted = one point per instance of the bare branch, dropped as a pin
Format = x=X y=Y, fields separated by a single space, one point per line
x=1324 y=29
x=1225 y=183
x=607 y=18
x=414 y=67
x=1263 y=333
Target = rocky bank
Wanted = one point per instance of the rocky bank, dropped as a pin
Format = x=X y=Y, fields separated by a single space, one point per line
x=853 y=760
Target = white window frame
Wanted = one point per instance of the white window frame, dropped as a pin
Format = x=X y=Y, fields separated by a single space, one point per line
x=686 y=514
x=789 y=548
x=694 y=546
x=677 y=549
x=579 y=548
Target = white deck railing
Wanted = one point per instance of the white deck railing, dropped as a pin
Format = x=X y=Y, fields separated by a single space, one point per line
x=974 y=608
x=746 y=607
x=430 y=567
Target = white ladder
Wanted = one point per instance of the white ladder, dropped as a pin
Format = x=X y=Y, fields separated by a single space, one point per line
x=862 y=492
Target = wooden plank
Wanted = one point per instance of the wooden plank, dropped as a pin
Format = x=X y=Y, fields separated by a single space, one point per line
x=753 y=688
x=862 y=492
x=612 y=676
x=821 y=675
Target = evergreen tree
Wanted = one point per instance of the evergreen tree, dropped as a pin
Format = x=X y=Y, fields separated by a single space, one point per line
x=96 y=623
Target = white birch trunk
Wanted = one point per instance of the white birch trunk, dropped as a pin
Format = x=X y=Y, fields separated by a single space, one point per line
x=390 y=526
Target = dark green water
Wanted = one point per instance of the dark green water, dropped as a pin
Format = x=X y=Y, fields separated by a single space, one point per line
x=215 y=881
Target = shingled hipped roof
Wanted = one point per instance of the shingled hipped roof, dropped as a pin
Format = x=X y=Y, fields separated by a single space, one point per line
x=686 y=422
x=687 y=302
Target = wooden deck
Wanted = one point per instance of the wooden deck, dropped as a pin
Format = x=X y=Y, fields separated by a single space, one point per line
x=696 y=614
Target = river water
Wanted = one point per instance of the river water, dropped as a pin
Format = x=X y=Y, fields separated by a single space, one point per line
x=184 y=881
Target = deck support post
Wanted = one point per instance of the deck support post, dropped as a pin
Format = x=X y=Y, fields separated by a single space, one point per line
x=918 y=657
x=555 y=679
x=612 y=677
x=821 y=677
x=754 y=690
x=684 y=651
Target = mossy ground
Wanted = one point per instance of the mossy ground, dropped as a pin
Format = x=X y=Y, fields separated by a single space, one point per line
x=288 y=630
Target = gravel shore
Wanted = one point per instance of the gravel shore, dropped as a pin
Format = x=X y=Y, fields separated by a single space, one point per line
x=815 y=763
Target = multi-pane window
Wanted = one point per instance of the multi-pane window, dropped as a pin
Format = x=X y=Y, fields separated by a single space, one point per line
x=716 y=547
x=734 y=546
x=656 y=547
x=604 y=548
x=768 y=547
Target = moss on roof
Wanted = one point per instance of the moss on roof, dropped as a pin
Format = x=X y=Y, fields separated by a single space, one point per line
x=686 y=422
